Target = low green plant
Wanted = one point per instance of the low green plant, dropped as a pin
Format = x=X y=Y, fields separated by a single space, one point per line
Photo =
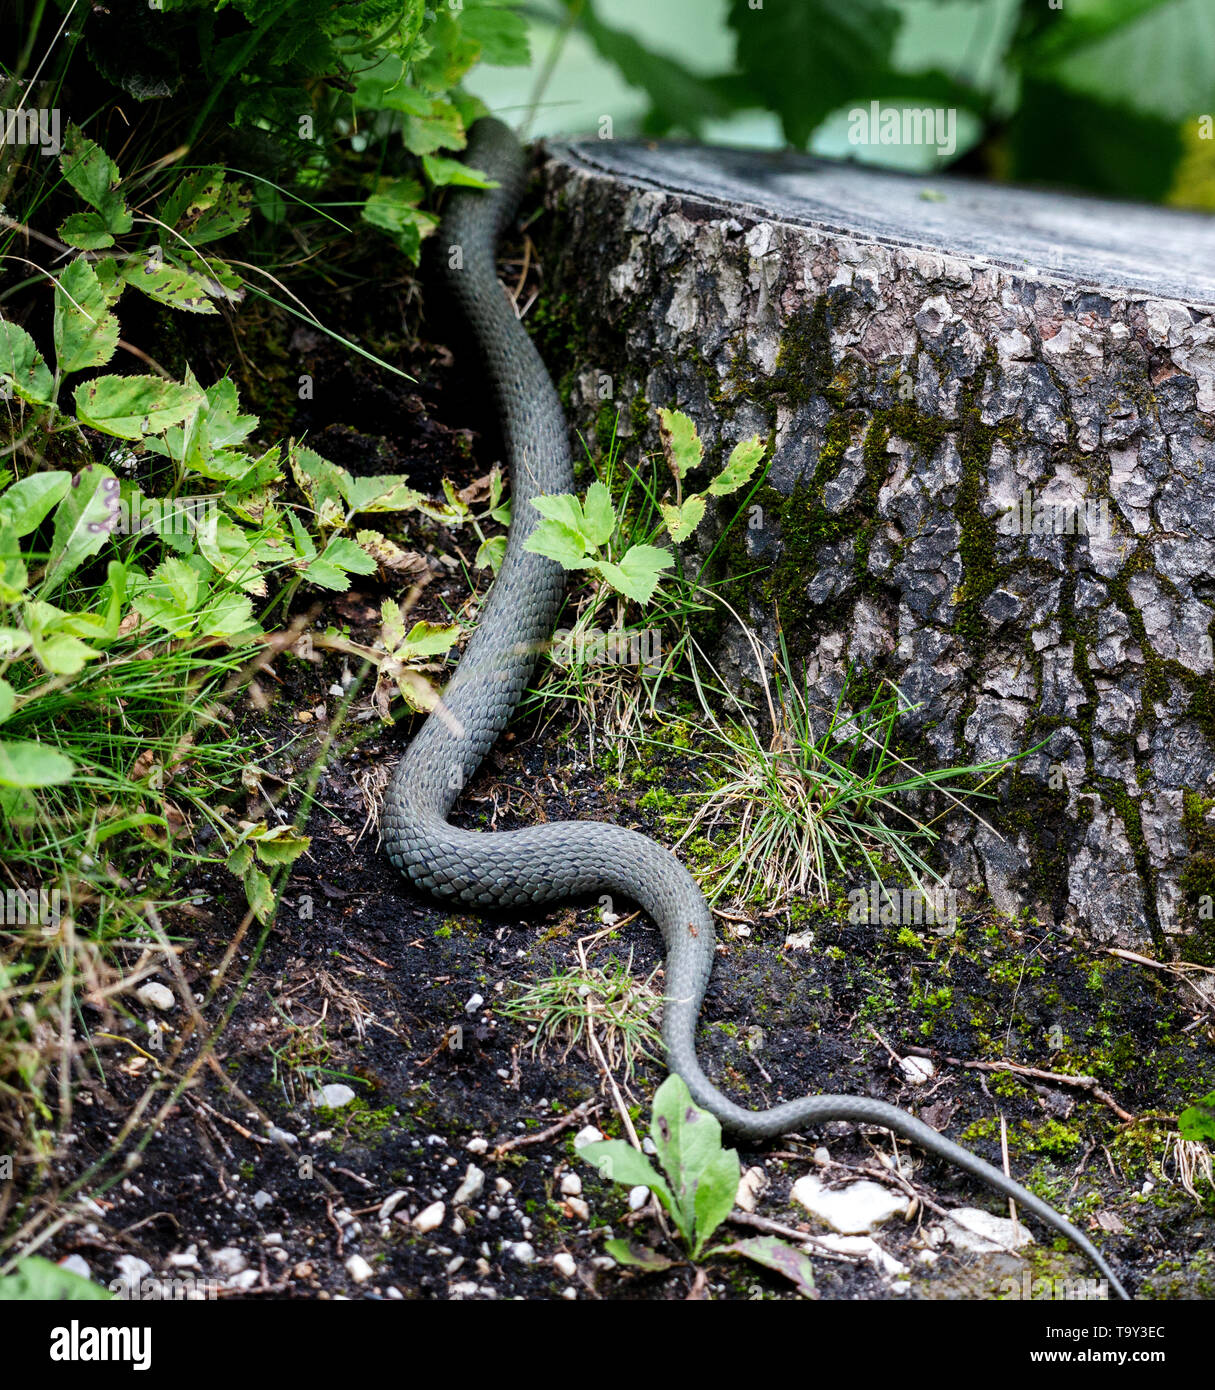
x=697 y=1188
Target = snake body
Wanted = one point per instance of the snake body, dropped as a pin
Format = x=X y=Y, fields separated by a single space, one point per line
x=558 y=860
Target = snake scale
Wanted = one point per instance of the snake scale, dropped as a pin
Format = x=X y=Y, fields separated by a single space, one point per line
x=558 y=860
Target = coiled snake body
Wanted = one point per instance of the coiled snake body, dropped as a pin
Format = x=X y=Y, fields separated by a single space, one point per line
x=553 y=861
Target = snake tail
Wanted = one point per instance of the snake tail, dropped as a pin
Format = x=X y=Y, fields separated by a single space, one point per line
x=554 y=861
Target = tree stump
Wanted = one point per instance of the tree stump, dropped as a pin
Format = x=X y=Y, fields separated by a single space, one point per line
x=991 y=414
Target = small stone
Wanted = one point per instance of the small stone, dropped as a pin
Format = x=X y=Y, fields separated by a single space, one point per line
x=358 y=1269
x=391 y=1203
x=565 y=1265
x=587 y=1135
x=852 y=1210
x=393 y=1292
x=822 y=1157
x=571 y=1185
x=603 y=1262
x=262 y=1199
x=917 y=1070
x=156 y=996
x=430 y=1218
x=471 y=1187
x=454 y=1263
x=229 y=1260
x=648 y=1146
x=244 y=1280
x=477 y=1146
x=474 y=1003
x=501 y=1186
x=578 y=1208
x=303 y=1270
x=523 y=1251
x=333 y=1096
x=978 y=1232
x=571 y=1293
x=638 y=1197
x=76 y=1264
x=281 y=1136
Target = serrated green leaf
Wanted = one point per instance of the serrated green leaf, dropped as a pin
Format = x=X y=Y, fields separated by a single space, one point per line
x=23 y=366
x=202 y=207
x=260 y=894
x=491 y=553
x=62 y=654
x=94 y=175
x=559 y=542
x=86 y=333
x=87 y=515
x=24 y=763
x=681 y=521
x=680 y=443
x=598 y=515
x=341 y=558
x=427 y=639
x=501 y=33
x=169 y=284
x=240 y=861
x=133 y=406
x=744 y=459
x=24 y=505
x=87 y=231
x=638 y=573
x=280 y=845
x=1197 y=1122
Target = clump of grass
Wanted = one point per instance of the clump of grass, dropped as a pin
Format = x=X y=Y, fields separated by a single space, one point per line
x=568 y=1005
x=819 y=791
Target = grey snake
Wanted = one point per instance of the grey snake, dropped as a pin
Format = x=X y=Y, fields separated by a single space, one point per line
x=559 y=860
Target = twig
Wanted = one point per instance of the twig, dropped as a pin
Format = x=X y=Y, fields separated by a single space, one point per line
x=571 y=1117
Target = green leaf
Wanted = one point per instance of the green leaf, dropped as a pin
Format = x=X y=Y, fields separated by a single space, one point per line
x=38 y=1280
x=598 y=515
x=743 y=461
x=559 y=542
x=341 y=558
x=442 y=171
x=1156 y=57
x=94 y=175
x=85 y=518
x=681 y=521
x=86 y=333
x=23 y=366
x=703 y=1176
x=62 y=654
x=168 y=284
x=491 y=553
x=501 y=33
x=778 y=1256
x=388 y=492
x=678 y=97
x=24 y=505
x=228 y=615
x=133 y=406
x=427 y=639
x=232 y=550
x=87 y=231
x=1197 y=1122
x=8 y=699
x=281 y=845
x=565 y=508
x=637 y=574
x=240 y=861
x=639 y=1256
x=621 y=1163
x=169 y=597
x=680 y=442
x=203 y=208
x=13 y=574
x=805 y=58
x=260 y=894
x=393 y=209
x=24 y=763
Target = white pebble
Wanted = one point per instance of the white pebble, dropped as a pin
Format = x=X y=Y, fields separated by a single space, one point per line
x=579 y=1208
x=156 y=996
x=430 y=1218
x=474 y=1003
x=571 y=1185
x=471 y=1187
x=524 y=1252
x=589 y=1135
x=477 y=1146
x=333 y=1096
x=229 y=1260
x=358 y=1269
x=638 y=1197
x=565 y=1265
x=76 y=1264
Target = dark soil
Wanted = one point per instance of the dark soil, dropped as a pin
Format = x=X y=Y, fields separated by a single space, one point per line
x=360 y=981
